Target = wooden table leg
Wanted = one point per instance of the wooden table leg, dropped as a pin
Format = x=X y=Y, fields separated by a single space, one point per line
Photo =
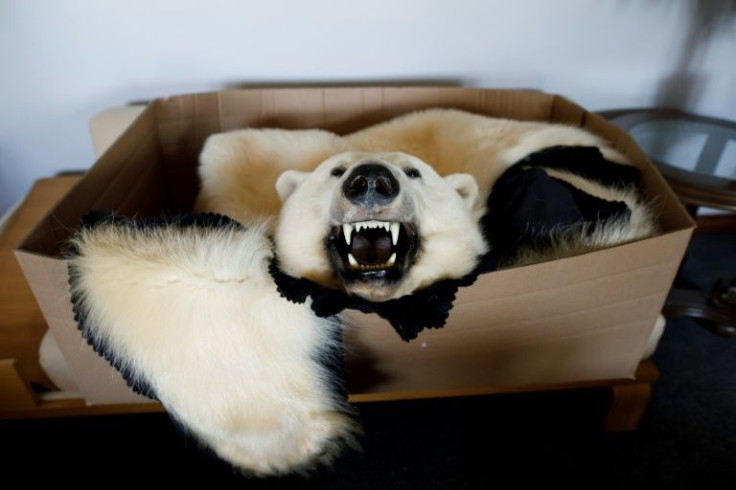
x=627 y=407
x=629 y=400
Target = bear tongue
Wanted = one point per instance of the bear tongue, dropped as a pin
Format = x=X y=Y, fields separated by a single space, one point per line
x=371 y=252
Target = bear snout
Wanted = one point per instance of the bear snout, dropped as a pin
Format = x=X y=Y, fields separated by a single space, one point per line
x=371 y=184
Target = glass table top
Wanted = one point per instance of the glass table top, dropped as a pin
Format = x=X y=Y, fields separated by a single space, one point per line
x=701 y=146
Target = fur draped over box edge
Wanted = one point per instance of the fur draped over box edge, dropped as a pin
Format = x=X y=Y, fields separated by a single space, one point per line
x=267 y=397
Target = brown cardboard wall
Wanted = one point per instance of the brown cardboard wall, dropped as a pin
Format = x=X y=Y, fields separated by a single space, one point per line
x=590 y=315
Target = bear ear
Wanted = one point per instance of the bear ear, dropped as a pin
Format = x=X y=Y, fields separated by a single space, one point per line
x=465 y=185
x=287 y=183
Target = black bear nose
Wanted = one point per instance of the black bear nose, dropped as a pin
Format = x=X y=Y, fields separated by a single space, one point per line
x=371 y=183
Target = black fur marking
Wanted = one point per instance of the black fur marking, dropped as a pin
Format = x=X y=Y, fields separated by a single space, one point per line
x=409 y=315
x=585 y=161
x=79 y=305
x=527 y=206
x=332 y=359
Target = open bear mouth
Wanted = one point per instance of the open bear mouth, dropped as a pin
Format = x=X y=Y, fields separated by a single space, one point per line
x=372 y=250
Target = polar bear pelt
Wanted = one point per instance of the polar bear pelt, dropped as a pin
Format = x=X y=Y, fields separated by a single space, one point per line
x=193 y=310
x=451 y=142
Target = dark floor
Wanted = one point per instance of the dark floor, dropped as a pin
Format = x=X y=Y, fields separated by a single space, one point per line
x=687 y=438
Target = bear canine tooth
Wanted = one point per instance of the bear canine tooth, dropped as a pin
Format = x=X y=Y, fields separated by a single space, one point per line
x=347 y=232
x=395 y=233
x=392 y=259
x=353 y=263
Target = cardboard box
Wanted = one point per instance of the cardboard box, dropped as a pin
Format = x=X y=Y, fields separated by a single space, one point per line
x=579 y=319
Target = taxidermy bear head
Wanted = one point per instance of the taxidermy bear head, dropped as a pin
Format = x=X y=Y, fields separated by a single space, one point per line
x=377 y=225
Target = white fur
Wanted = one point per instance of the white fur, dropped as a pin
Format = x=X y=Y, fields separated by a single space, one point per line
x=197 y=315
x=442 y=210
x=239 y=168
x=641 y=222
x=456 y=141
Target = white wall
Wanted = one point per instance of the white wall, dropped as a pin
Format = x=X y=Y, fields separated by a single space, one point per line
x=62 y=61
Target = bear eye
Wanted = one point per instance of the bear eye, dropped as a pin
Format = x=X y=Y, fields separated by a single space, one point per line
x=337 y=171
x=412 y=173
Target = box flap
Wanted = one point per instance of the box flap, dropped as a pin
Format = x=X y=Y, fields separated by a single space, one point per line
x=126 y=180
x=48 y=279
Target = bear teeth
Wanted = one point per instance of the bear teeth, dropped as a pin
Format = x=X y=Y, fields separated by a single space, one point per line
x=391 y=227
x=347 y=232
x=395 y=233
x=357 y=265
